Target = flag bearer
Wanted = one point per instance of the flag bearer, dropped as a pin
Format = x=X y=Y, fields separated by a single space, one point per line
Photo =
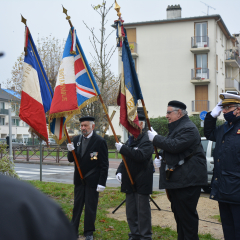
x=92 y=154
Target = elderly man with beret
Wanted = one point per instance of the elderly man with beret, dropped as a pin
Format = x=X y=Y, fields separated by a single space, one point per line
x=183 y=168
x=92 y=155
x=138 y=153
x=226 y=173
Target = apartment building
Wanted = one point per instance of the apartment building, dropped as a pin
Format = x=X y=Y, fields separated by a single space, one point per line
x=192 y=60
x=10 y=98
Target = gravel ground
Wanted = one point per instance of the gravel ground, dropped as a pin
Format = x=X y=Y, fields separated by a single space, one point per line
x=206 y=209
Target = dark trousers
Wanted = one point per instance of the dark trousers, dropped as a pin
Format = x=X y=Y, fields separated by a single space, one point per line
x=138 y=213
x=230 y=217
x=184 y=206
x=88 y=196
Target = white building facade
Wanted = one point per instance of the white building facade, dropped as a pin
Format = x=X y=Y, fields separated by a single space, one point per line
x=10 y=99
x=192 y=60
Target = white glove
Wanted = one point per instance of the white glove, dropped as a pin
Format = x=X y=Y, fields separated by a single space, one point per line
x=217 y=110
x=151 y=134
x=100 y=188
x=70 y=147
x=118 y=146
x=157 y=162
x=119 y=177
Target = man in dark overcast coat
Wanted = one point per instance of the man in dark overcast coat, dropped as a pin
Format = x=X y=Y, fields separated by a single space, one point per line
x=92 y=155
x=138 y=154
x=226 y=173
x=28 y=214
x=183 y=168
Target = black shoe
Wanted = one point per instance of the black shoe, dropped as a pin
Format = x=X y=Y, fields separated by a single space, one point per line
x=89 y=237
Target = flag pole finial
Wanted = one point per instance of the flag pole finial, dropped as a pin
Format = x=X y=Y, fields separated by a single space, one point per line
x=117 y=8
x=23 y=20
x=68 y=17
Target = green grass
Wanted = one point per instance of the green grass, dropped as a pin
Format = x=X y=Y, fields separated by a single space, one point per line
x=106 y=228
x=217 y=217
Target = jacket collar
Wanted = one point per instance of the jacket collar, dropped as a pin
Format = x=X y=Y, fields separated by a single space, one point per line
x=173 y=125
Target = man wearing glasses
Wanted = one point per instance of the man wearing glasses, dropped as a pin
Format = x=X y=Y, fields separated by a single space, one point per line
x=226 y=173
x=183 y=168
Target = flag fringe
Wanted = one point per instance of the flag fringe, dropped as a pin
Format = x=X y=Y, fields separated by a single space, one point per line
x=68 y=117
x=32 y=130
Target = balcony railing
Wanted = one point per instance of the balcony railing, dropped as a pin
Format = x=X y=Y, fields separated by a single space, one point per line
x=199 y=41
x=200 y=105
x=231 y=83
x=232 y=55
x=4 y=111
x=199 y=73
x=133 y=47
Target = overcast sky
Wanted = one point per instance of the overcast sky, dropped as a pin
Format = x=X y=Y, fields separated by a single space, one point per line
x=45 y=17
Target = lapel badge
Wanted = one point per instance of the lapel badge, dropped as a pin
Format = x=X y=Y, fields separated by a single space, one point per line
x=78 y=144
x=93 y=155
x=238 y=132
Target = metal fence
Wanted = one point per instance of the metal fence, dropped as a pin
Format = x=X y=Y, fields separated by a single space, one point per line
x=55 y=153
x=232 y=55
x=199 y=73
x=199 y=41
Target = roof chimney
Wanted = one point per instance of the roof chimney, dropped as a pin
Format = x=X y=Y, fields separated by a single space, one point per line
x=174 y=11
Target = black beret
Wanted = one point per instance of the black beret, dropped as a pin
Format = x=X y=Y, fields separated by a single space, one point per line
x=177 y=104
x=87 y=118
x=141 y=117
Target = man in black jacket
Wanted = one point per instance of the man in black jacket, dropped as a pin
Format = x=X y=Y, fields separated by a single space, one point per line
x=92 y=155
x=138 y=154
x=226 y=173
x=183 y=168
x=28 y=214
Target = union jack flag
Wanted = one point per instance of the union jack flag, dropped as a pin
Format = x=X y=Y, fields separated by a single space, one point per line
x=75 y=87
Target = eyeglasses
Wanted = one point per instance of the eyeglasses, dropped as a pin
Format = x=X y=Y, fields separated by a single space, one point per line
x=168 y=112
x=228 y=107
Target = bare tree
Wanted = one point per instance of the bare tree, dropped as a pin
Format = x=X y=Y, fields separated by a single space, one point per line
x=106 y=80
x=50 y=52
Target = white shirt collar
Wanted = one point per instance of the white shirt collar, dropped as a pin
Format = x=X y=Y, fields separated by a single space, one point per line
x=90 y=135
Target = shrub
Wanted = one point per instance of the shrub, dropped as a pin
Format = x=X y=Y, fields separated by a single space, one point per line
x=160 y=124
x=111 y=141
x=6 y=166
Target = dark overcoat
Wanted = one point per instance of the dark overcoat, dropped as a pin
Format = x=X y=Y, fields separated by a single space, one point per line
x=96 y=145
x=182 y=142
x=138 y=156
x=226 y=173
x=28 y=214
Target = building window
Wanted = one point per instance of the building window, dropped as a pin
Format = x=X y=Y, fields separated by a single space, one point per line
x=201 y=34
x=201 y=66
x=217 y=62
x=15 y=122
x=2 y=105
x=2 y=121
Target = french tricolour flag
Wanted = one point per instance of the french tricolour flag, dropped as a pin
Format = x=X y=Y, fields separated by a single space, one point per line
x=75 y=87
x=36 y=91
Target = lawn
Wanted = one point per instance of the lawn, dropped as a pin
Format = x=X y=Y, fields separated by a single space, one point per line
x=106 y=228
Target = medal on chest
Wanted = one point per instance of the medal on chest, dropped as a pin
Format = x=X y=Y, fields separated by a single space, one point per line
x=93 y=155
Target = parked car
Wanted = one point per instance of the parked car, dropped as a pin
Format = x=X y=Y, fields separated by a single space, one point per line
x=51 y=141
x=17 y=142
x=208 y=147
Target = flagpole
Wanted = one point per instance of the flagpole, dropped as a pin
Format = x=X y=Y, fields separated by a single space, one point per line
x=75 y=159
x=104 y=107
x=117 y=8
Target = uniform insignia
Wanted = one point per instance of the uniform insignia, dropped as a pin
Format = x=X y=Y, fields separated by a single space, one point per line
x=93 y=155
x=238 y=132
x=78 y=144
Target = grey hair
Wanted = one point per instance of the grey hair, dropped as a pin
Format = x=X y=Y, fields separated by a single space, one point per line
x=184 y=112
x=143 y=124
x=91 y=123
